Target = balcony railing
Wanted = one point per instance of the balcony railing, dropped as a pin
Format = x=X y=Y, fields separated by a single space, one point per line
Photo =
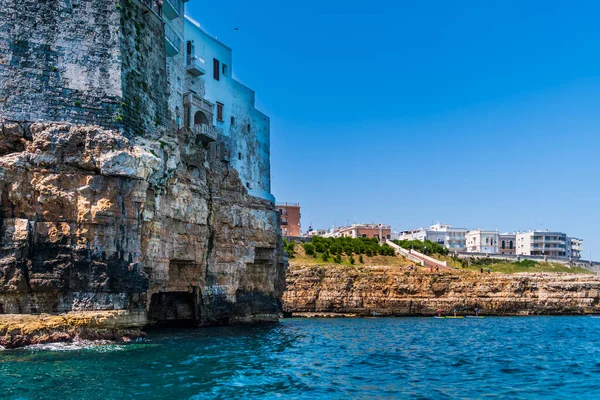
x=172 y=8
x=173 y=42
x=206 y=133
x=195 y=65
x=153 y=5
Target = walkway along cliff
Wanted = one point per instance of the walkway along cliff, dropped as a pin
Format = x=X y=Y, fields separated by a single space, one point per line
x=113 y=201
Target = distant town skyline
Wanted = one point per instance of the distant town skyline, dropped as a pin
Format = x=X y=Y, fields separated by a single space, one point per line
x=483 y=115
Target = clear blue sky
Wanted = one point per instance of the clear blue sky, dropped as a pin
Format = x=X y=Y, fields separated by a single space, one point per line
x=474 y=113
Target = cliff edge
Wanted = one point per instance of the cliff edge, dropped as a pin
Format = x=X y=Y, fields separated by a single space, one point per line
x=91 y=220
x=394 y=291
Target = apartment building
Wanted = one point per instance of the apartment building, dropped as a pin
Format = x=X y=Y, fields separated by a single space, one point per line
x=290 y=219
x=219 y=108
x=451 y=238
x=542 y=243
x=374 y=231
x=507 y=243
x=480 y=241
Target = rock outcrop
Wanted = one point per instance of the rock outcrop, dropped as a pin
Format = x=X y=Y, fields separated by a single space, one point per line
x=92 y=219
x=387 y=291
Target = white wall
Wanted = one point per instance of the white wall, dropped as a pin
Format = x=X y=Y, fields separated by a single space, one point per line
x=250 y=152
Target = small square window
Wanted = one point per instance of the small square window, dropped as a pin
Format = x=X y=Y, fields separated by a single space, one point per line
x=232 y=120
x=224 y=69
x=239 y=156
x=248 y=185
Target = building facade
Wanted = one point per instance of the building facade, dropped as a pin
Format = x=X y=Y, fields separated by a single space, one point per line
x=451 y=238
x=480 y=241
x=543 y=243
x=373 y=231
x=507 y=243
x=290 y=219
x=574 y=247
x=221 y=109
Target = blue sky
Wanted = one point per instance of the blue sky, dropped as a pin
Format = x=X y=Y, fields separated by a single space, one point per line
x=477 y=114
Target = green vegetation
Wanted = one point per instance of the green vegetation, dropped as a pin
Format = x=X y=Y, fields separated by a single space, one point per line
x=289 y=248
x=507 y=267
x=77 y=103
x=349 y=246
x=427 y=247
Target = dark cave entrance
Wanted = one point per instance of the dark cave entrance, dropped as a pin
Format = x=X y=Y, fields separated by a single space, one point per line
x=177 y=309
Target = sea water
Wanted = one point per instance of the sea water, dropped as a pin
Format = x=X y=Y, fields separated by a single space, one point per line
x=526 y=357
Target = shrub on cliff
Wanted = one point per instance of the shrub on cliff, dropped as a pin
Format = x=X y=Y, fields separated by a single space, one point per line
x=351 y=259
x=360 y=259
x=309 y=248
x=324 y=257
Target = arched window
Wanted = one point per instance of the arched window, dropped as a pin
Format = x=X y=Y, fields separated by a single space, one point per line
x=200 y=118
x=503 y=244
x=510 y=244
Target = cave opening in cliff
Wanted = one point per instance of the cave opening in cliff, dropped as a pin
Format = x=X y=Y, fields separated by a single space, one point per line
x=175 y=309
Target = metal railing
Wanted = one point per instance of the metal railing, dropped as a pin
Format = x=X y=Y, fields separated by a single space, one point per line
x=193 y=60
x=177 y=5
x=172 y=37
x=154 y=5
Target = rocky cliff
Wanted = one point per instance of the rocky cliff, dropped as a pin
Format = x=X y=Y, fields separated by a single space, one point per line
x=91 y=219
x=338 y=290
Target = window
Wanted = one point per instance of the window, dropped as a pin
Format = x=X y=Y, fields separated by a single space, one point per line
x=219 y=111
x=249 y=127
x=248 y=185
x=232 y=120
x=224 y=69
x=239 y=156
x=216 y=69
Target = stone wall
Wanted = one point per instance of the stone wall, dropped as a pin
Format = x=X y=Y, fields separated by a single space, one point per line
x=83 y=61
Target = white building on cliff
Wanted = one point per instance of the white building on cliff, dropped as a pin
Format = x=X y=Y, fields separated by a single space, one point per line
x=221 y=108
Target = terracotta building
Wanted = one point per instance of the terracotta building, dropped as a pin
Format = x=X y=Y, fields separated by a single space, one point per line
x=378 y=231
x=290 y=219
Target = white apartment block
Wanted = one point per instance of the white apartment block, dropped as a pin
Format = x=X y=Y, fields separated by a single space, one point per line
x=480 y=241
x=546 y=243
x=451 y=238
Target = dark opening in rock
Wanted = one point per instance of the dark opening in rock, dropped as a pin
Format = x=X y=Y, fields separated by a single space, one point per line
x=173 y=309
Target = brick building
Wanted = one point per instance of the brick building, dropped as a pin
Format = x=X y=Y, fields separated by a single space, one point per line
x=290 y=219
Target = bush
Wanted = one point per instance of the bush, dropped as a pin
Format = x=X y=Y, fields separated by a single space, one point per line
x=309 y=248
x=360 y=259
x=324 y=257
x=351 y=259
x=337 y=259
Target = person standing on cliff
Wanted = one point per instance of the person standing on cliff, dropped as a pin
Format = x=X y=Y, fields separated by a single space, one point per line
x=489 y=271
x=481 y=270
x=439 y=311
x=476 y=311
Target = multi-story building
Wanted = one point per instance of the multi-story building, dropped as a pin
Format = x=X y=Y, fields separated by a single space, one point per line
x=221 y=109
x=507 y=243
x=543 y=243
x=451 y=238
x=290 y=219
x=376 y=231
x=574 y=247
x=480 y=241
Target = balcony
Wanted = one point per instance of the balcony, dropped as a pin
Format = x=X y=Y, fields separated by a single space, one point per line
x=172 y=9
x=195 y=65
x=153 y=5
x=173 y=42
x=205 y=133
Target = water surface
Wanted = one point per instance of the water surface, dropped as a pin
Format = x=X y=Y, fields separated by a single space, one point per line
x=533 y=357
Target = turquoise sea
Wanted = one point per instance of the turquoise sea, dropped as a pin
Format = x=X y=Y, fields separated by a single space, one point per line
x=422 y=358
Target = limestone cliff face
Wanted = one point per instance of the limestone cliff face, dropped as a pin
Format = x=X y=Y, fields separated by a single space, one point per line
x=93 y=220
x=391 y=291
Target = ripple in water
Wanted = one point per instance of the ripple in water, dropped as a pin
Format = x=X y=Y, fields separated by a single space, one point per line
x=541 y=357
